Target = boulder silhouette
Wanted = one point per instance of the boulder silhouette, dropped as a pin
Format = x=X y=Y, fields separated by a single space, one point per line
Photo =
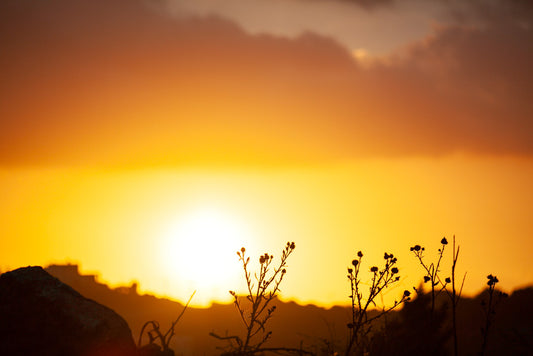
x=40 y=315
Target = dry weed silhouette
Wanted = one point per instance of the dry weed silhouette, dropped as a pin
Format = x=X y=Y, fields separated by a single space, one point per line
x=256 y=309
x=361 y=324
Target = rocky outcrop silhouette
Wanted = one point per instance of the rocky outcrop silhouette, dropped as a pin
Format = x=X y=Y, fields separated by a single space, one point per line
x=40 y=315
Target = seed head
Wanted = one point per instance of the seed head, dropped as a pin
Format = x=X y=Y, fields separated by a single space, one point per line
x=492 y=280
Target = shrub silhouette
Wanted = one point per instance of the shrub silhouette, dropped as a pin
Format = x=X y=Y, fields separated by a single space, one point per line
x=416 y=330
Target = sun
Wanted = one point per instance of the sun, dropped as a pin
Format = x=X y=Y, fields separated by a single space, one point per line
x=198 y=251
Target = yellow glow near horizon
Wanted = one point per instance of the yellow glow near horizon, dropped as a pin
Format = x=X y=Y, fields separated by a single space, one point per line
x=177 y=231
x=197 y=246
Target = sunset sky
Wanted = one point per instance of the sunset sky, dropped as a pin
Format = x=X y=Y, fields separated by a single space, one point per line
x=149 y=140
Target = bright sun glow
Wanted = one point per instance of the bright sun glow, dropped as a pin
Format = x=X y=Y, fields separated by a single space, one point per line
x=199 y=252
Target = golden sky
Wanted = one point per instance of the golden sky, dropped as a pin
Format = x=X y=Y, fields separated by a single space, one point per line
x=130 y=129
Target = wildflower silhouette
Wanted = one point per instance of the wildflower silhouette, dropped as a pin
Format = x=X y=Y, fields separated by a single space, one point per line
x=432 y=270
x=361 y=323
x=260 y=295
x=432 y=276
x=489 y=309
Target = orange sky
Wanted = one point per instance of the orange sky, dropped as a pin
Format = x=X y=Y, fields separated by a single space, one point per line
x=124 y=122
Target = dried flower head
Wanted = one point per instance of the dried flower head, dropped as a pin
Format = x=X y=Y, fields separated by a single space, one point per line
x=359 y=254
x=444 y=241
x=264 y=258
x=355 y=263
x=492 y=280
x=374 y=269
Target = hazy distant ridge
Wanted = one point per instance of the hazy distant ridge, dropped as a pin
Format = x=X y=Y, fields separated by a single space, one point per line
x=293 y=324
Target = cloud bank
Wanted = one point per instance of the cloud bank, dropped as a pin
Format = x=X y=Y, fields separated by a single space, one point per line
x=121 y=83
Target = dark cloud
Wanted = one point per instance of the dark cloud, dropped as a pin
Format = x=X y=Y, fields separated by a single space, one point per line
x=369 y=4
x=491 y=11
x=479 y=79
x=118 y=83
x=489 y=69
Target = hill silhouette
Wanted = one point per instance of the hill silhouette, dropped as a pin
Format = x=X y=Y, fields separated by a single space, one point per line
x=292 y=324
x=317 y=329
